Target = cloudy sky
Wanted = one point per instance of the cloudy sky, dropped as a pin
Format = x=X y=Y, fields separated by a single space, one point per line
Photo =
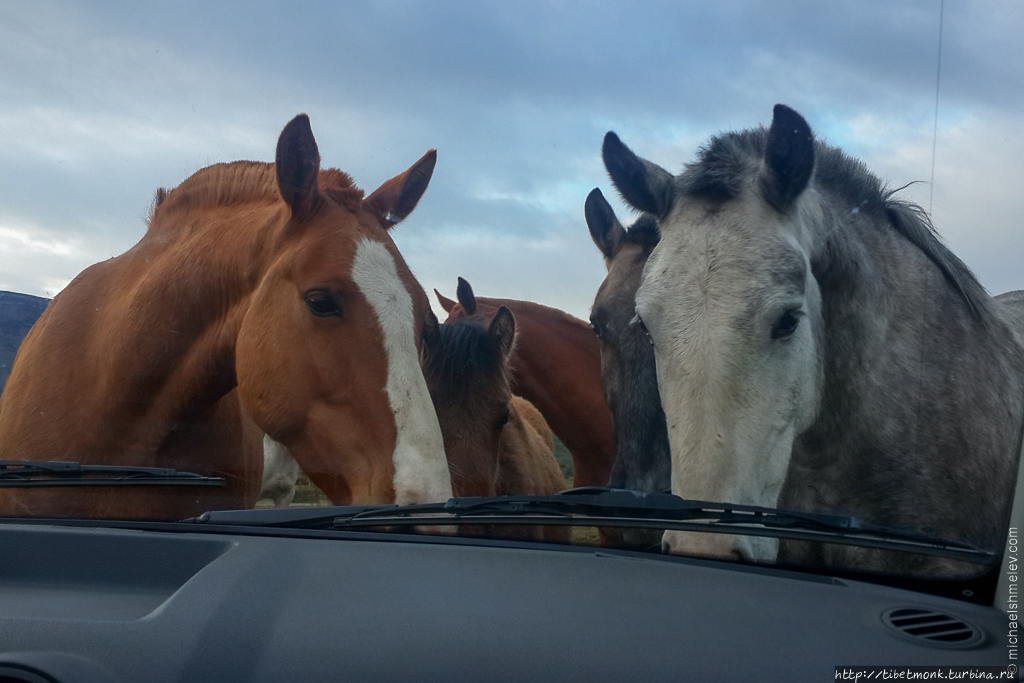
x=101 y=103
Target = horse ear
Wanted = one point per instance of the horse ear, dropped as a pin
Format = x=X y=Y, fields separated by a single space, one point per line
x=788 y=159
x=465 y=294
x=605 y=229
x=446 y=303
x=644 y=186
x=297 y=164
x=396 y=198
x=503 y=326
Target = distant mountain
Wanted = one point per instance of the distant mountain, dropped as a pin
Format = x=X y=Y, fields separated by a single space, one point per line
x=18 y=313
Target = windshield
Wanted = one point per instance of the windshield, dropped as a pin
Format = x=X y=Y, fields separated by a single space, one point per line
x=748 y=254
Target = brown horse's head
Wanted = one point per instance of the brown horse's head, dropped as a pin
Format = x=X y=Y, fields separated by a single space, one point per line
x=467 y=370
x=326 y=356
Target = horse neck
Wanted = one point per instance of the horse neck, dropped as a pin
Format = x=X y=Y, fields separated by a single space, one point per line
x=914 y=379
x=185 y=296
x=878 y=288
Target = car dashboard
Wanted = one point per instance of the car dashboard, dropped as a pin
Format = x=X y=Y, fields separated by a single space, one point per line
x=169 y=602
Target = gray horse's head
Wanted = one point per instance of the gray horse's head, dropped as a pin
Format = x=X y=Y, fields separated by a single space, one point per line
x=627 y=358
x=734 y=315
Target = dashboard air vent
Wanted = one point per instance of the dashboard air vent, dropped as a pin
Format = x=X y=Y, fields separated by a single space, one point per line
x=929 y=627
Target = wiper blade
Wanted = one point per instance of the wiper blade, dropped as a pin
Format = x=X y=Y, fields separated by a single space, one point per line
x=603 y=507
x=38 y=473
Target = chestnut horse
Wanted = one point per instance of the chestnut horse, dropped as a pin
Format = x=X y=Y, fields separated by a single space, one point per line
x=556 y=365
x=262 y=298
x=497 y=444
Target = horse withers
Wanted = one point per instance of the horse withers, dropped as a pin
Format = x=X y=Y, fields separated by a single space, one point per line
x=497 y=444
x=818 y=348
x=262 y=298
x=556 y=365
x=642 y=459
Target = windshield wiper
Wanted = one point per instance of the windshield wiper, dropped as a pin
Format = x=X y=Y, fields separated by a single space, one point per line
x=602 y=507
x=32 y=473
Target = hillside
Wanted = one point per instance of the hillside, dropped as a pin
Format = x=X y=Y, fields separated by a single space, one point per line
x=18 y=312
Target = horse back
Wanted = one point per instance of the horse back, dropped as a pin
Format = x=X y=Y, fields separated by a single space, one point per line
x=1011 y=305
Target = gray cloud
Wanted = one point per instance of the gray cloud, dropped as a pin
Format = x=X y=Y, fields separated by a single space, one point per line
x=100 y=104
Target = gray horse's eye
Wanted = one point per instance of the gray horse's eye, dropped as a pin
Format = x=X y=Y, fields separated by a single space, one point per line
x=786 y=325
x=322 y=304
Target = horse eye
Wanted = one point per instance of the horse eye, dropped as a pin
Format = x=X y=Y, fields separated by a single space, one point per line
x=322 y=304
x=596 y=327
x=637 y=321
x=785 y=326
x=502 y=421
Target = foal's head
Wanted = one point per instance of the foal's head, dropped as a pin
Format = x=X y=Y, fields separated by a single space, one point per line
x=467 y=372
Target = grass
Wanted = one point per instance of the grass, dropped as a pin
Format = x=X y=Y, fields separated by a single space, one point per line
x=564 y=459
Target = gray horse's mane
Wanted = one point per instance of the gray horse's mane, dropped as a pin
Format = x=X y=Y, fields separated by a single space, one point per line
x=725 y=164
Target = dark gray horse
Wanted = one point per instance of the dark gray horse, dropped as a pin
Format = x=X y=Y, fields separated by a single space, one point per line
x=627 y=358
x=819 y=348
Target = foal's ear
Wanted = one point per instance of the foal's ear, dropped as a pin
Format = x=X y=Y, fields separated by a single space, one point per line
x=297 y=164
x=788 y=159
x=465 y=294
x=396 y=198
x=644 y=186
x=446 y=303
x=503 y=326
x=605 y=229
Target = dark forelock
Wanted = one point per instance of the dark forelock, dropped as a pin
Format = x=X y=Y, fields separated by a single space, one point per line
x=462 y=355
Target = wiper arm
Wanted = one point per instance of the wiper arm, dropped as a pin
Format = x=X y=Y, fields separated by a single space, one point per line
x=596 y=506
x=37 y=473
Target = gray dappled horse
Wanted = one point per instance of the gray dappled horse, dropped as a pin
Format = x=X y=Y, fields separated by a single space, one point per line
x=642 y=459
x=818 y=348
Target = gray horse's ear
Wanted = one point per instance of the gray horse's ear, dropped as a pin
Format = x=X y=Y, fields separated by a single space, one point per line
x=788 y=159
x=465 y=295
x=645 y=186
x=605 y=229
x=503 y=326
x=396 y=198
x=297 y=164
x=446 y=303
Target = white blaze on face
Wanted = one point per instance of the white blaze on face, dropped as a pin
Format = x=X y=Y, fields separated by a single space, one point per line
x=421 y=469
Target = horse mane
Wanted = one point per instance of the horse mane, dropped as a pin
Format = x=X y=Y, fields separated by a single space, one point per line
x=244 y=182
x=461 y=355
x=726 y=162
